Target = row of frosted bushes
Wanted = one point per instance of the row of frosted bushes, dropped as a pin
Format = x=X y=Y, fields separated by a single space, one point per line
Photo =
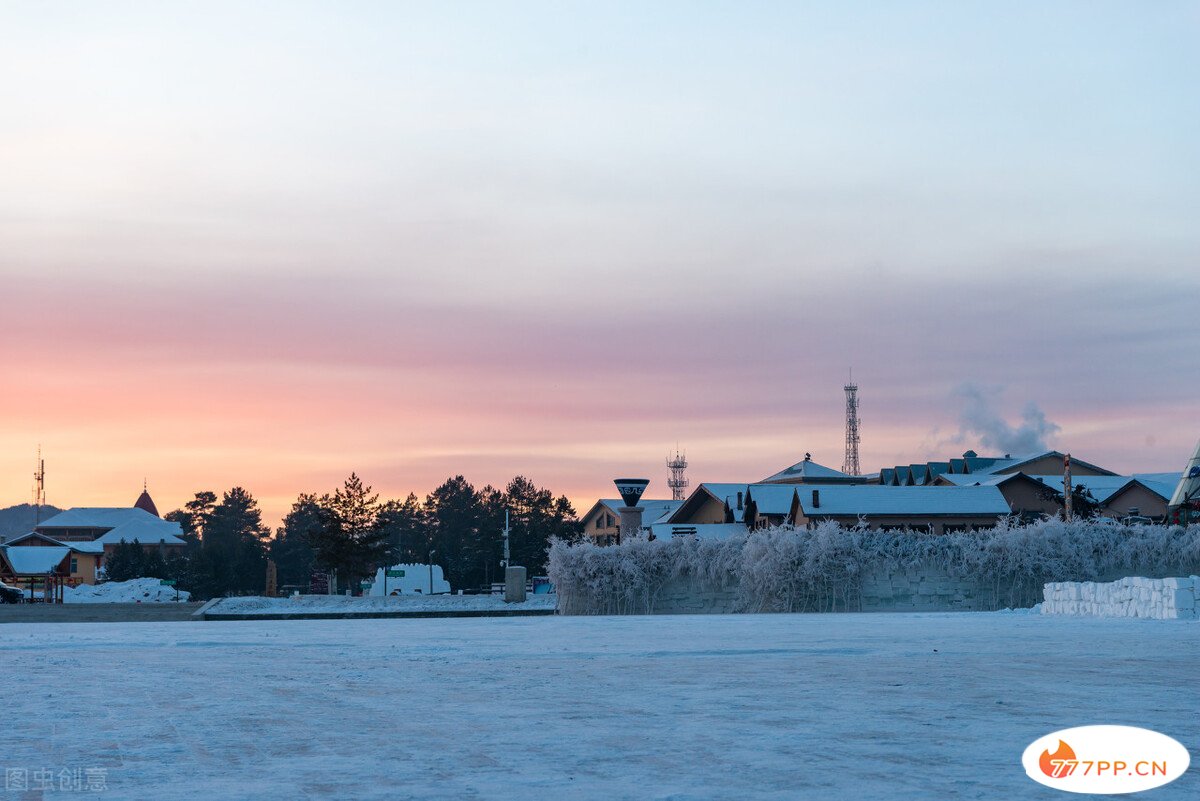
x=821 y=569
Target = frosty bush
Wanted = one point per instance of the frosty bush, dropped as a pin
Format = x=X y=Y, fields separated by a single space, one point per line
x=821 y=569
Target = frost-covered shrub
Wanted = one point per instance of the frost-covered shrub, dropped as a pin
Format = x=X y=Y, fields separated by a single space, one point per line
x=821 y=569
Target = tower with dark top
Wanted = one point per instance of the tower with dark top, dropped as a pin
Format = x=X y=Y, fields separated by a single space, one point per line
x=631 y=490
x=850 y=465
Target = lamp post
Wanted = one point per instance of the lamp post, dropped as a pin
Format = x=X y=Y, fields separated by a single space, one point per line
x=431 y=555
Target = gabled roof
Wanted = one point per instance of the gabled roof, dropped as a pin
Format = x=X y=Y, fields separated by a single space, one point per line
x=34 y=560
x=97 y=517
x=1103 y=488
x=772 y=499
x=880 y=500
x=655 y=510
x=726 y=493
x=1012 y=464
x=806 y=471
x=121 y=523
x=79 y=547
x=973 y=480
x=147 y=532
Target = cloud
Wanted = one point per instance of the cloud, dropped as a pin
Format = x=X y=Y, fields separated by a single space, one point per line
x=981 y=422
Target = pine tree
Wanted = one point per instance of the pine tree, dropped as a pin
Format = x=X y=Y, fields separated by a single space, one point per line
x=292 y=549
x=407 y=529
x=348 y=538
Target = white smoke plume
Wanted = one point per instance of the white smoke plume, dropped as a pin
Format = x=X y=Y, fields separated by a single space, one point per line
x=980 y=421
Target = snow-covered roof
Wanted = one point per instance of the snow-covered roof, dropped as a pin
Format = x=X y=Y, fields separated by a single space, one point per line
x=707 y=531
x=655 y=510
x=1014 y=463
x=807 y=470
x=1102 y=488
x=32 y=560
x=147 y=532
x=875 y=499
x=80 y=547
x=772 y=499
x=122 y=523
x=975 y=479
x=98 y=517
x=728 y=493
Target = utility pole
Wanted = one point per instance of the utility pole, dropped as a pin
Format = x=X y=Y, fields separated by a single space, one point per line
x=507 y=531
x=39 y=488
x=1068 y=499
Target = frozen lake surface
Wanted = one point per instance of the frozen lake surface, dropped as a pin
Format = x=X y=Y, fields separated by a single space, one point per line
x=884 y=706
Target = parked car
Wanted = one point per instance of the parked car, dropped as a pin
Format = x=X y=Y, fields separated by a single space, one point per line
x=10 y=594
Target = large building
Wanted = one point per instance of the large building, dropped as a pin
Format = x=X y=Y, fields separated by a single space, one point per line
x=71 y=546
x=962 y=493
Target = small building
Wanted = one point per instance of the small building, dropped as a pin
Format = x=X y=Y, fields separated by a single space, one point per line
x=712 y=503
x=602 y=523
x=80 y=568
x=938 y=509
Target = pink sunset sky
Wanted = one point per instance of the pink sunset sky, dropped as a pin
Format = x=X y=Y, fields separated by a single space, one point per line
x=268 y=246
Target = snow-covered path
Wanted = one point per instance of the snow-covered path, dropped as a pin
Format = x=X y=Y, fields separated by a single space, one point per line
x=722 y=707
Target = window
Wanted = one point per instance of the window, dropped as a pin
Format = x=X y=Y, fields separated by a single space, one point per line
x=74 y=565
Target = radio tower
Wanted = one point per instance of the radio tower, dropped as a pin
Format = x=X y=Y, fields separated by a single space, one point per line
x=850 y=466
x=677 y=482
x=39 y=487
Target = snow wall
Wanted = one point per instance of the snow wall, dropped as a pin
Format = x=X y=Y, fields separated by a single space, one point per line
x=833 y=569
x=1162 y=599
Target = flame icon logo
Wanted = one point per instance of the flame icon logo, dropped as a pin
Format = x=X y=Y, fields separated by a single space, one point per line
x=1059 y=763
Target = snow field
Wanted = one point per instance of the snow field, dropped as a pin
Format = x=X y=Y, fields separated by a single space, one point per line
x=688 y=708
x=1161 y=599
x=340 y=604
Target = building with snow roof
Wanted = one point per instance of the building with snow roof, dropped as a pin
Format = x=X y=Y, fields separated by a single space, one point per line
x=71 y=546
x=938 y=509
x=602 y=523
x=1034 y=496
x=971 y=463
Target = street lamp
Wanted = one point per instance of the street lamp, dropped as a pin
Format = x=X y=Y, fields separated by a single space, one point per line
x=431 y=555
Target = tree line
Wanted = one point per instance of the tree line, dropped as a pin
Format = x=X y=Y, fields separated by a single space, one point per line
x=351 y=532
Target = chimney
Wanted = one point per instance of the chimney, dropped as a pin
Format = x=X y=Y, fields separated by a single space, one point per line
x=739 y=501
x=816 y=504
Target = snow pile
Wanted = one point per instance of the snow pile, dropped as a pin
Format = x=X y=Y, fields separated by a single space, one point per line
x=143 y=590
x=1161 y=599
x=415 y=581
x=821 y=569
x=341 y=604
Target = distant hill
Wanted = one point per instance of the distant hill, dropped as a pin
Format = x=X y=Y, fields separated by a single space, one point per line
x=19 y=519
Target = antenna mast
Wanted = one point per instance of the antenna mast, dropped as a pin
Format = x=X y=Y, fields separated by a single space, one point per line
x=39 y=487
x=850 y=466
x=678 y=481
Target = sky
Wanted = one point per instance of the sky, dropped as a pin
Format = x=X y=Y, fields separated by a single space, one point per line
x=266 y=244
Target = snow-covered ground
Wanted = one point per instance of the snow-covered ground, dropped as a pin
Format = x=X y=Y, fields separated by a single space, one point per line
x=340 y=604
x=145 y=590
x=882 y=706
